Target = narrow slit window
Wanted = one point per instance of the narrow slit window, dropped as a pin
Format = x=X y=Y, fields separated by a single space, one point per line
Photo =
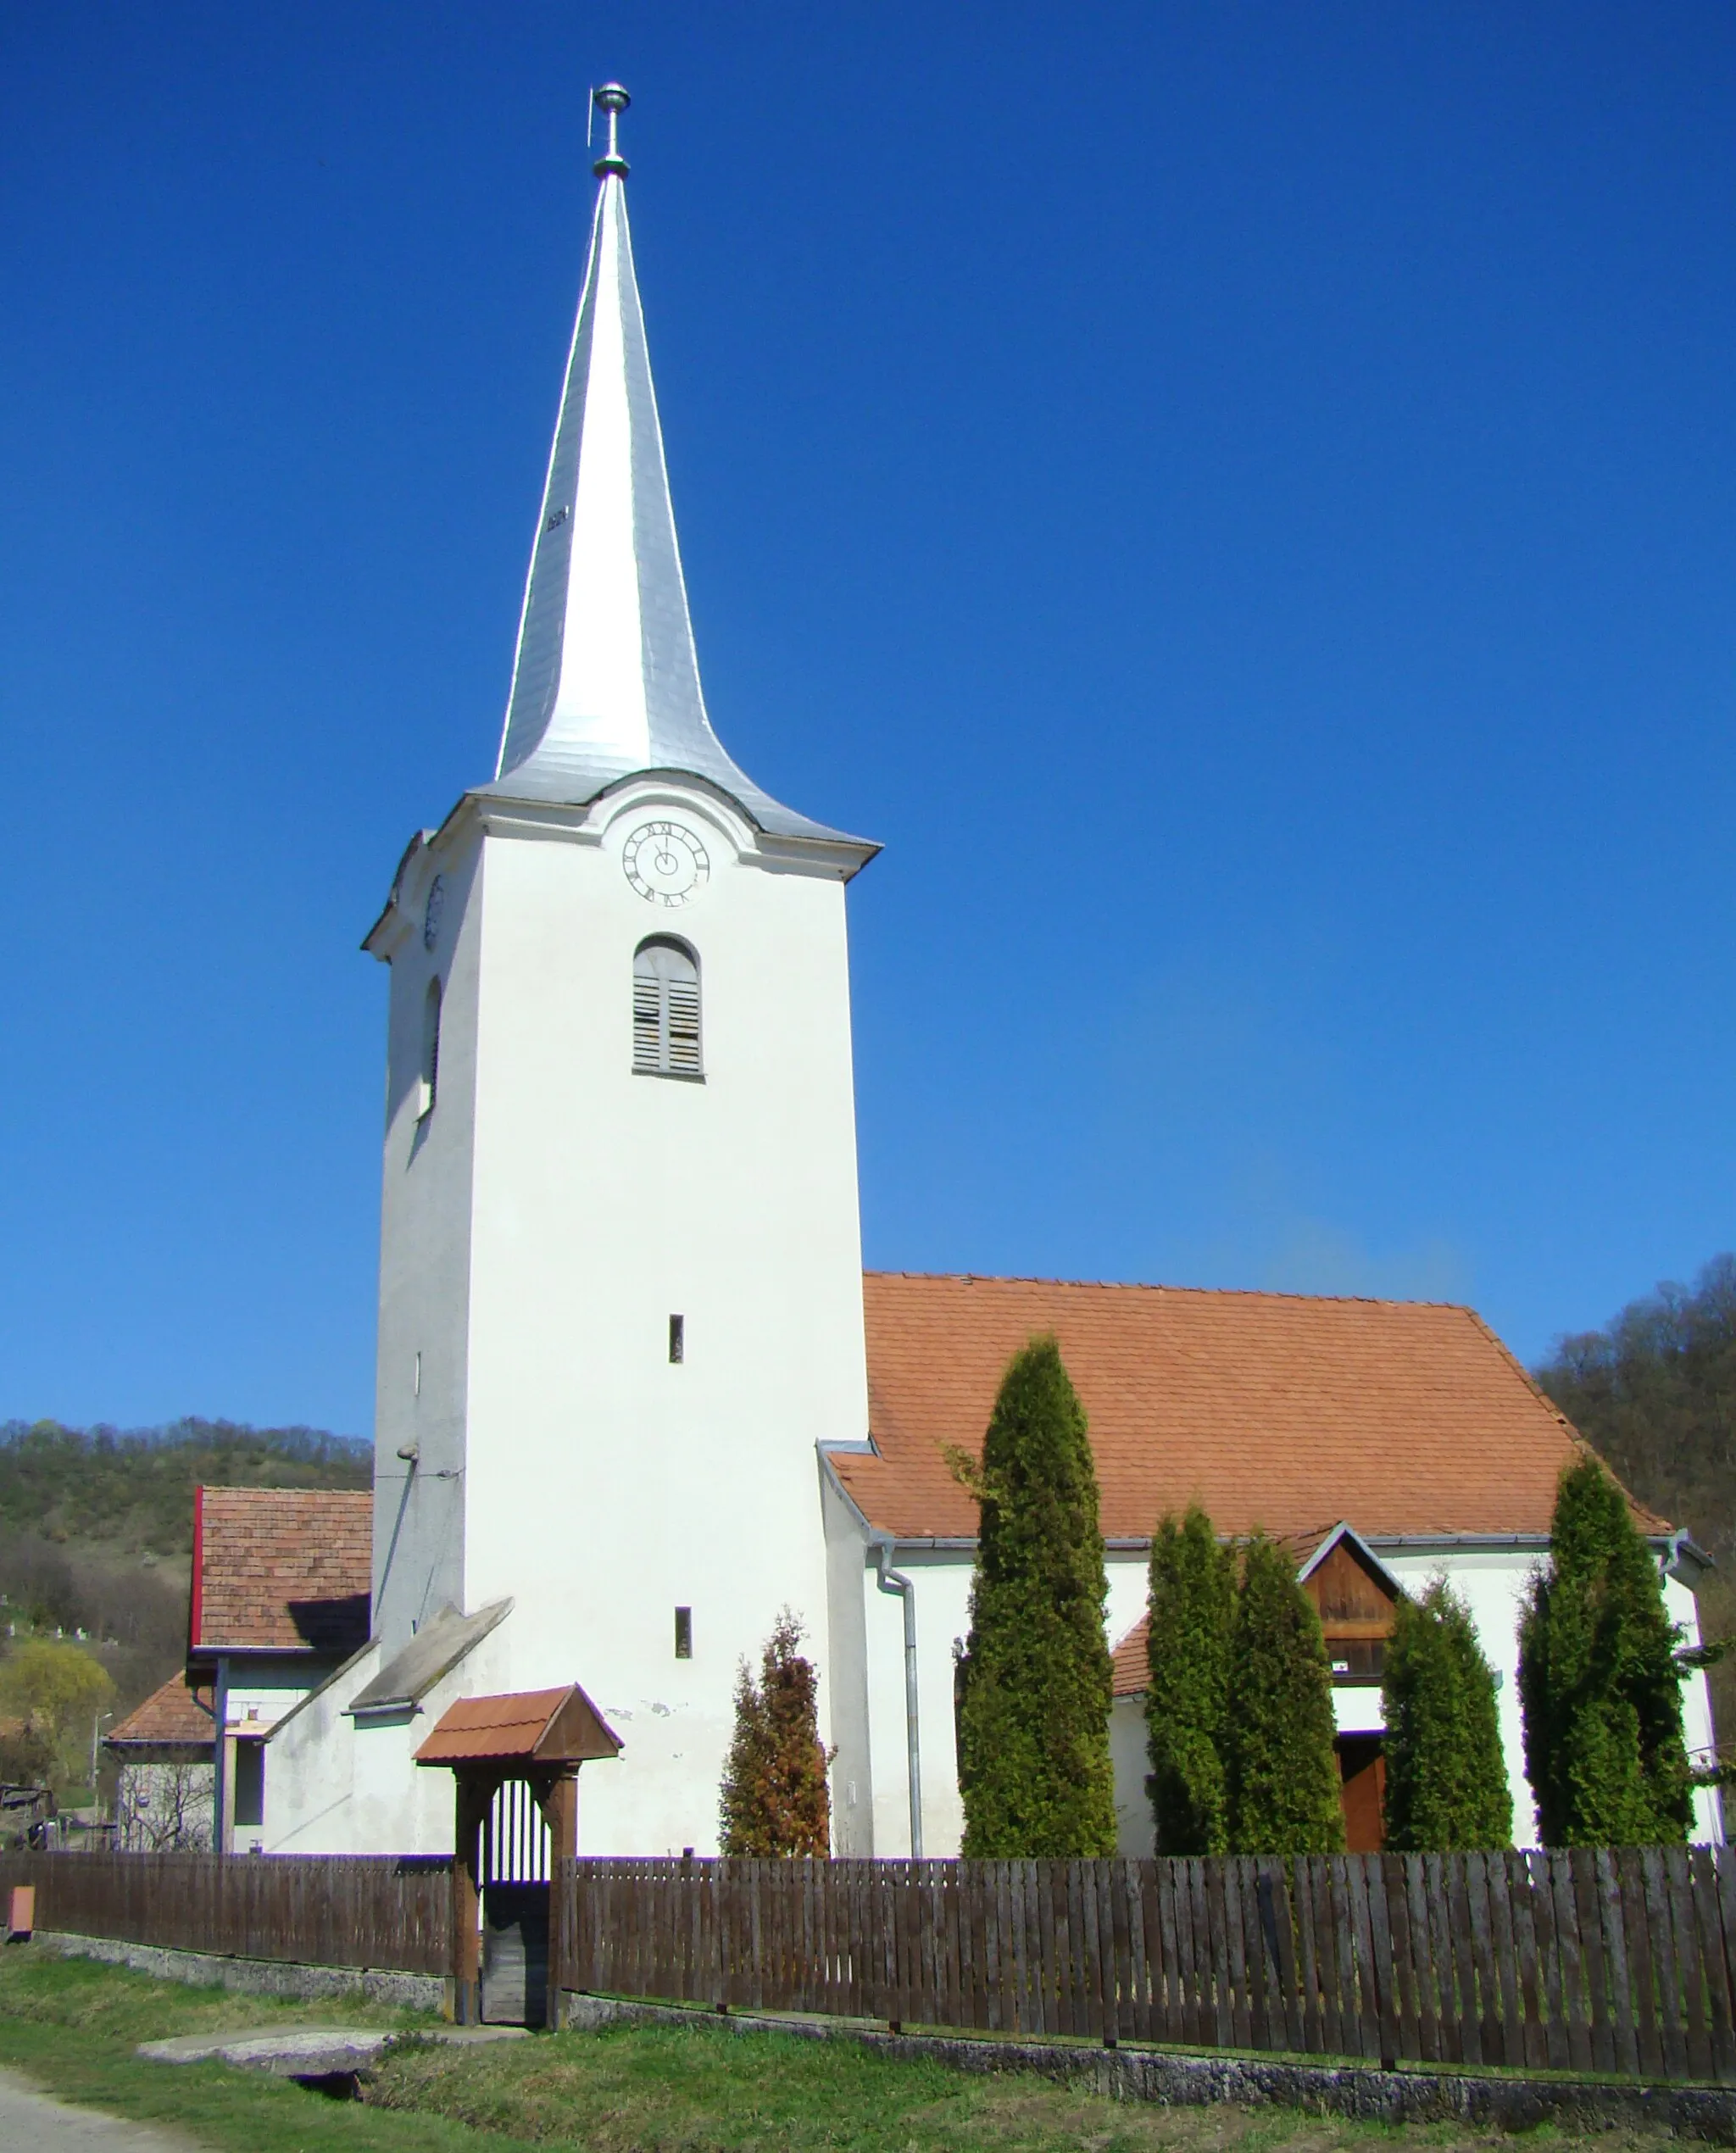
x=677 y=1339
x=684 y=1633
x=665 y=1010
x=430 y=1046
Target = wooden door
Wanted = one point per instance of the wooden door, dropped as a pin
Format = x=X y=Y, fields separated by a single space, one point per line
x=1363 y=1766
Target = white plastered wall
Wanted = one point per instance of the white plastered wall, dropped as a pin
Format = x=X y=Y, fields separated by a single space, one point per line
x=942 y=1579
x=425 y=1244
x=605 y=1487
x=1492 y=1583
x=335 y=1787
x=852 y=1777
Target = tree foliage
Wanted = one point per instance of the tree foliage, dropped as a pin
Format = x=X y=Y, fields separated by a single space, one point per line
x=774 y=1798
x=134 y=1488
x=1598 y=1680
x=1191 y=1612
x=52 y=1690
x=1446 y=1775
x=1654 y=1394
x=1281 y=1769
x=1034 y=1766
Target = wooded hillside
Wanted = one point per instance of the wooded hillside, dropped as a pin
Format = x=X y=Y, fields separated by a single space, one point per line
x=1654 y=1393
x=96 y=1527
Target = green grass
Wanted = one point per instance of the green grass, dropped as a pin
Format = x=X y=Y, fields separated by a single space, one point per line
x=71 y=2027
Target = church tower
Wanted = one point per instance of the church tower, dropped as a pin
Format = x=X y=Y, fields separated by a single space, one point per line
x=621 y=1287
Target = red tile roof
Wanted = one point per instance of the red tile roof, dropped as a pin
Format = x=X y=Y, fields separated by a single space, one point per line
x=1130 y=1675
x=168 y=1716
x=1129 y=1668
x=281 y=1568
x=1270 y=1409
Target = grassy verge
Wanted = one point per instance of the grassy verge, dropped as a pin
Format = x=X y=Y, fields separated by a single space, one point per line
x=72 y=2026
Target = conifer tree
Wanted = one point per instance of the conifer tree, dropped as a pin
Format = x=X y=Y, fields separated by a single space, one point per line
x=1599 y=1684
x=1190 y=1612
x=774 y=1798
x=1447 y=1787
x=1281 y=1770
x=1034 y=1765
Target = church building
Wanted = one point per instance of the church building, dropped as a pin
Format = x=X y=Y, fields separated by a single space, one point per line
x=634 y=1394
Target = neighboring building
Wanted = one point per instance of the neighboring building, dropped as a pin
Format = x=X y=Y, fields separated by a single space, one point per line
x=280 y=1601
x=625 y=1373
x=163 y=1795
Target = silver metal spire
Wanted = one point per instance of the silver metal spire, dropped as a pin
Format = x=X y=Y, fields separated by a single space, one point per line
x=606 y=680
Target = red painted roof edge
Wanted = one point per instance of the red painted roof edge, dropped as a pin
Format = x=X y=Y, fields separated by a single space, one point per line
x=196 y=1616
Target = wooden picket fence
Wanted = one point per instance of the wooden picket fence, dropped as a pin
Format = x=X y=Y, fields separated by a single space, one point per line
x=1620 y=1961
x=386 y=1912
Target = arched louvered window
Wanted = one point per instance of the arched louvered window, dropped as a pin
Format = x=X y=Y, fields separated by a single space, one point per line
x=666 y=1009
x=430 y=1046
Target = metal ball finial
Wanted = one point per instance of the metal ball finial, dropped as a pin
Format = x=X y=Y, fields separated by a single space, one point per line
x=614 y=100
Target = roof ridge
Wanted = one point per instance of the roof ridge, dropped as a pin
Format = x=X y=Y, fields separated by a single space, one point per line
x=1158 y=1285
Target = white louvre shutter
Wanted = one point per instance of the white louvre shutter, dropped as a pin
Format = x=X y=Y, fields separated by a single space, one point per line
x=681 y=1011
x=666 y=1010
x=648 y=1024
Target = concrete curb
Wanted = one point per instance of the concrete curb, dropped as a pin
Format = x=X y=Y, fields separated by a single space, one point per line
x=1366 y=2093
x=253 y=1976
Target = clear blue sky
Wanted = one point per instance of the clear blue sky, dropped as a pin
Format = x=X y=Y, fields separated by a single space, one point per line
x=1239 y=497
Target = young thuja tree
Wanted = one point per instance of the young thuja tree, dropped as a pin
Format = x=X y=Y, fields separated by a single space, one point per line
x=1281 y=1770
x=774 y=1797
x=1447 y=1787
x=1190 y=1612
x=1034 y=1765
x=1599 y=1681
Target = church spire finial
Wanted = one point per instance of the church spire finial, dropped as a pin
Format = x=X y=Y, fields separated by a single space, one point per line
x=614 y=100
x=605 y=682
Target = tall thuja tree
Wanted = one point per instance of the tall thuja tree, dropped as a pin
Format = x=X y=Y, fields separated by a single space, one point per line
x=774 y=1798
x=1033 y=1718
x=1599 y=1681
x=1190 y=1611
x=1447 y=1787
x=1281 y=1769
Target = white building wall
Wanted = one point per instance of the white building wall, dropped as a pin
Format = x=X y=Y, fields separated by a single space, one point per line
x=334 y=1787
x=1135 y=1832
x=852 y=1777
x=1492 y=1583
x=424 y=1245
x=541 y=1228
x=941 y=1578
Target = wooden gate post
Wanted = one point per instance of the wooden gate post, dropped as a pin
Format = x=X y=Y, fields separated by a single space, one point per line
x=471 y=1797
x=558 y=1800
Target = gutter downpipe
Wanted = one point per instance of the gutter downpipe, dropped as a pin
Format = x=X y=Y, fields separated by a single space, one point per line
x=899 y=1587
x=220 y=1778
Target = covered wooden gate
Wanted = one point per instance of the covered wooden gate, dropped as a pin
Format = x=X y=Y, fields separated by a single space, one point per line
x=516 y=1762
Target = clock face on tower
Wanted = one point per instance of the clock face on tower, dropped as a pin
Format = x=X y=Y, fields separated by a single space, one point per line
x=665 y=863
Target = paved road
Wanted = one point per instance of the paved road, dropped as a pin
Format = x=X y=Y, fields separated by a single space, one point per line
x=28 y=2119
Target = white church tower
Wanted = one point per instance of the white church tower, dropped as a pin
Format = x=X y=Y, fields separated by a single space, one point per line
x=621 y=1296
